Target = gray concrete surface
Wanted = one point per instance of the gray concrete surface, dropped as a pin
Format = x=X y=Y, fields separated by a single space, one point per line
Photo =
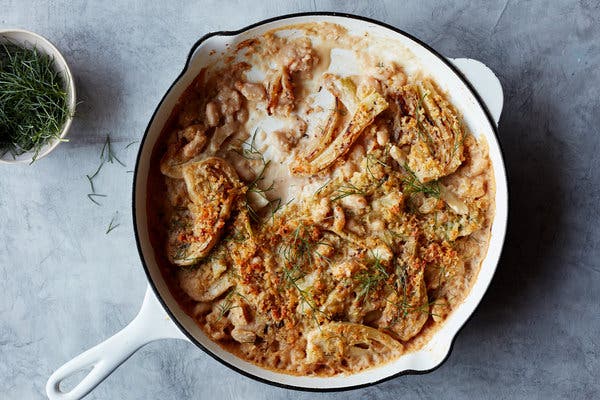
x=65 y=284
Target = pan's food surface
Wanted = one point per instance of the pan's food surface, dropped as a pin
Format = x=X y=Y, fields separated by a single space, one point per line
x=316 y=202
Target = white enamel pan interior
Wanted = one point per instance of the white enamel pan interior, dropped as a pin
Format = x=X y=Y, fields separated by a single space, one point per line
x=473 y=89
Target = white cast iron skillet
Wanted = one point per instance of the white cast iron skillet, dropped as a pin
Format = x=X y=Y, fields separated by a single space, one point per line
x=473 y=89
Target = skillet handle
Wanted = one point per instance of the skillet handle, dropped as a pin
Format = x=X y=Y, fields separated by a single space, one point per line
x=150 y=324
x=485 y=82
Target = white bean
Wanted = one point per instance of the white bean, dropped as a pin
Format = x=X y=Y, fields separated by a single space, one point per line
x=212 y=114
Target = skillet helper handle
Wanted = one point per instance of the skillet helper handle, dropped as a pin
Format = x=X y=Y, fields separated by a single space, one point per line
x=485 y=82
x=150 y=324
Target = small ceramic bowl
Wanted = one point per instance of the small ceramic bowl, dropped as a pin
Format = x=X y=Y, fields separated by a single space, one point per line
x=28 y=39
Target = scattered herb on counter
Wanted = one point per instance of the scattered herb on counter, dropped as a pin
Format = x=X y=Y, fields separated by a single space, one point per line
x=110 y=155
x=113 y=223
x=131 y=144
x=91 y=178
x=33 y=100
x=93 y=200
x=107 y=154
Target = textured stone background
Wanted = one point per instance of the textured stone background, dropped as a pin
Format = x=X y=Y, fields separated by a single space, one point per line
x=65 y=284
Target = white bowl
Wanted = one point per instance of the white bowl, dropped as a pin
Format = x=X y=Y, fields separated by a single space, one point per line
x=30 y=40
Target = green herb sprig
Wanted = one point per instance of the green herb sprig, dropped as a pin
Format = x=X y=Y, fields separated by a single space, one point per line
x=112 y=224
x=347 y=189
x=370 y=279
x=110 y=154
x=413 y=185
x=292 y=276
x=250 y=152
x=227 y=304
x=300 y=250
x=107 y=155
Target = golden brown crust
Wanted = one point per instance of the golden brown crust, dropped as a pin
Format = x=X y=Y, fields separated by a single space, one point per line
x=212 y=187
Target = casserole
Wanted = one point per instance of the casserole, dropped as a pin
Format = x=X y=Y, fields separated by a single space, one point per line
x=481 y=119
